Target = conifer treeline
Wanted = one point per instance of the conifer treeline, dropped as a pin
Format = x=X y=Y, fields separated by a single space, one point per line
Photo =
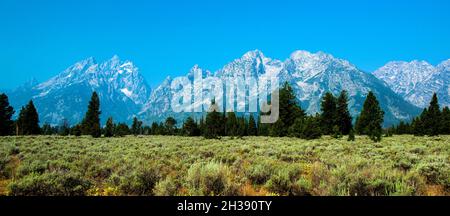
x=431 y=122
x=334 y=120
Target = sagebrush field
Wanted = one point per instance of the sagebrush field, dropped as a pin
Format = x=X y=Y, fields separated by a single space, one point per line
x=165 y=165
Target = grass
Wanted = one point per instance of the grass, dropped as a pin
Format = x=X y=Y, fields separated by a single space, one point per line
x=170 y=166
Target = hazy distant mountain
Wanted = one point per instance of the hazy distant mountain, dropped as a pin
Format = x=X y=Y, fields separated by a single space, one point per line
x=120 y=86
x=416 y=81
x=124 y=93
x=311 y=75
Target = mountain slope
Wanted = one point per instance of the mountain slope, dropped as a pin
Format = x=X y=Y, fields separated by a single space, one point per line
x=122 y=91
x=312 y=75
x=416 y=81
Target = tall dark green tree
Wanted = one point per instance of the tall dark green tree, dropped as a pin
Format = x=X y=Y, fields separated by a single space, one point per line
x=242 y=126
x=432 y=119
x=252 y=130
x=306 y=128
x=231 y=124
x=6 y=112
x=91 y=121
x=170 y=125
x=64 y=128
x=371 y=118
x=289 y=110
x=263 y=129
x=121 y=130
x=343 y=117
x=328 y=115
x=28 y=121
x=136 y=127
x=214 y=124
x=190 y=127
x=109 y=128
x=445 y=122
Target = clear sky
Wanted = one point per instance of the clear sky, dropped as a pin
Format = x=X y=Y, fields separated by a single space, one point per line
x=40 y=38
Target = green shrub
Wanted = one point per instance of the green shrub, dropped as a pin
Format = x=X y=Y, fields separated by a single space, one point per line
x=167 y=187
x=435 y=171
x=5 y=170
x=210 y=179
x=50 y=184
x=28 y=167
x=140 y=182
x=302 y=187
x=260 y=172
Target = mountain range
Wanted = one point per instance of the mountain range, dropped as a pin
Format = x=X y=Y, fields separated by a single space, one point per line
x=402 y=88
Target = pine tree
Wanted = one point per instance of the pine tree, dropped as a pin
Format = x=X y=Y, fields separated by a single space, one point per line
x=213 y=123
x=289 y=111
x=136 y=127
x=417 y=125
x=242 y=127
x=328 y=116
x=121 y=130
x=343 y=117
x=231 y=125
x=306 y=128
x=432 y=119
x=47 y=129
x=445 y=122
x=6 y=112
x=190 y=127
x=109 y=128
x=28 y=121
x=154 y=129
x=64 y=128
x=91 y=121
x=351 y=135
x=76 y=130
x=252 y=130
x=371 y=118
x=170 y=125
x=263 y=129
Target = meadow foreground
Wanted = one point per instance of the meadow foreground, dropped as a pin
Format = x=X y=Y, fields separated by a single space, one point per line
x=172 y=165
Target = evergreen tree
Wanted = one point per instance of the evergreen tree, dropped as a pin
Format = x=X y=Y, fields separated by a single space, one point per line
x=154 y=129
x=213 y=123
x=64 y=128
x=343 y=117
x=201 y=126
x=28 y=121
x=109 y=128
x=76 y=130
x=337 y=134
x=263 y=129
x=252 y=130
x=306 y=128
x=371 y=118
x=47 y=129
x=445 y=122
x=351 y=135
x=170 y=124
x=289 y=111
x=190 y=127
x=91 y=121
x=242 y=127
x=122 y=130
x=136 y=127
x=417 y=125
x=231 y=125
x=328 y=116
x=432 y=119
x=6 y=112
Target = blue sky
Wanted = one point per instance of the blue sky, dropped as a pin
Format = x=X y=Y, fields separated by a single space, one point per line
x=40 y=38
